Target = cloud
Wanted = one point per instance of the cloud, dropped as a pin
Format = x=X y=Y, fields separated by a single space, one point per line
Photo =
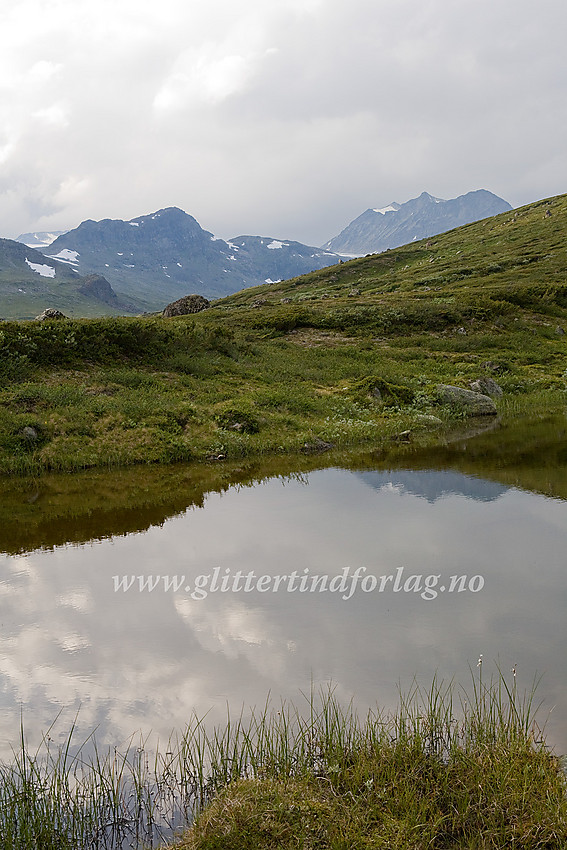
x=208 y=74
x=283 y=118
x=54 y=115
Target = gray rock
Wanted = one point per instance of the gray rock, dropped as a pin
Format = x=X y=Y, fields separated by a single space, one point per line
x=187 y=304
x=469 y=402
x=559 y=330
x=487 y=386
x=316 y=446
x=50 y=313
x=30 y=434
x=402 y=437
x=426 y=420
x=97 y=286
x=491 y=366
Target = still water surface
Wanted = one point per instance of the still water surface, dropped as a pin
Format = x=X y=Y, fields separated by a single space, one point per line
x=139 y=660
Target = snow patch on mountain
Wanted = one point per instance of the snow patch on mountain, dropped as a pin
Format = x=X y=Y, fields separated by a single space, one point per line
x=391 y=208
x=43 y=270
x=66 y=256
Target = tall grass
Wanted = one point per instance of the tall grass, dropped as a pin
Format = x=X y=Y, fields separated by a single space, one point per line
x=445 y=769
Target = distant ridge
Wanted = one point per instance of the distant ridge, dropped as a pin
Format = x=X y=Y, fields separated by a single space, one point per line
x=376 y=230
x=157 y=258
x=40 y=239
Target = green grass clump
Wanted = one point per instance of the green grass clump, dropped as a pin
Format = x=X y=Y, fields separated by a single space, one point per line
x=53 y=800
x=429 y=776
x=76 y=342
x=378 y=387
x=446 y=769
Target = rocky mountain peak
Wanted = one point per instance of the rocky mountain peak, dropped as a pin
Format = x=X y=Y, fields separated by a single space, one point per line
x=378 y=229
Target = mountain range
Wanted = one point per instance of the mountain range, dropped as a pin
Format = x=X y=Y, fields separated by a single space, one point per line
x=112 y=267
x=154 y=259
x=377 y=230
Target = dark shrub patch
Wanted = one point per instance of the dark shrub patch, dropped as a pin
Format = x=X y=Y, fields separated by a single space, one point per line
x=235 y=419
x=389 y=392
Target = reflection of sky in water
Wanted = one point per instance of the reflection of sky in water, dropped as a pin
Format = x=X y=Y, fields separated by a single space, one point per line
x=145 y=661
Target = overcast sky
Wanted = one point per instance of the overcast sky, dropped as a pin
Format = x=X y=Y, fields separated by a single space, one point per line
x=285 y=118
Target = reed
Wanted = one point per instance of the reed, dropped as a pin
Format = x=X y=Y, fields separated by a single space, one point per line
x=448 y=768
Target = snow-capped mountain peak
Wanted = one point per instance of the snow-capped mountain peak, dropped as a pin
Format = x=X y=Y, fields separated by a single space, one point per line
x=381 y=228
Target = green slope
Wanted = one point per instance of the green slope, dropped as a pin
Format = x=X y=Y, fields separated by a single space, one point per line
x=500 y=257
x=31 y=282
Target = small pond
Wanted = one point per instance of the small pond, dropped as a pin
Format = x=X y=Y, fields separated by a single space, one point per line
x=362 y=571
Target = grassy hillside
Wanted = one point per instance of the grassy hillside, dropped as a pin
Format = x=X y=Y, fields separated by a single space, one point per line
x=497 y=257
x=350 y=355
x=36 y=298
x=31 y=282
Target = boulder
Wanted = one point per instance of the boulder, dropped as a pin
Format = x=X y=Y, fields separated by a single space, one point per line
x=426 y=420
x=316 y=446
x=50 y=313
x=187 y=304
x=467 y=401
x=30 y=434
x=487 y=386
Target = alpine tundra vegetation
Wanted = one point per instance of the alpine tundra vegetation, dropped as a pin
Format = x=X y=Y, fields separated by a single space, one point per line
x=378 y=349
